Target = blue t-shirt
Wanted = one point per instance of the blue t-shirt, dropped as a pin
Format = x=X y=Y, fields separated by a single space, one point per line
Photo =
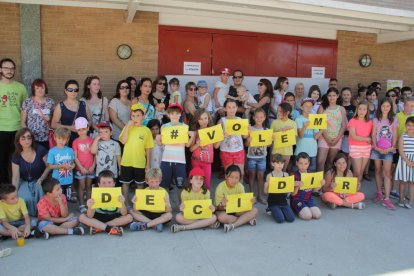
x=58 y=156
x=308 y=143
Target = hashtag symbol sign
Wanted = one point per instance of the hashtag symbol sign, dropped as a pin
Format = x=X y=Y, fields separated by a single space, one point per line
x=174 y=134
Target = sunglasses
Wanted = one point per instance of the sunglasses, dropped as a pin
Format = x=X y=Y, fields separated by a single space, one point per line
x=72 y=90
x=393 y=96
x=161 y=83
x=124 y=87
x=237 y=77
x=26 y=137
x=260 y=83
x=193 y=89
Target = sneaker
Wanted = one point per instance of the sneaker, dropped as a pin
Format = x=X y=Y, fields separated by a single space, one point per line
x=116 y=231
x=159 y=227
x=401 y=204
x=78 y=231
x=4 y=252
x=332 y=205
x=177 y=228
x=228 y=227
x=215 y=225
x=93 y=230
x=379 y=197
x=407 y=205
x=395 y=195
x=138 y=226
x=268 y=212
x=253 y=222
x=83 y=209
x=39 y=234
x=388 y=204
x=359 y=205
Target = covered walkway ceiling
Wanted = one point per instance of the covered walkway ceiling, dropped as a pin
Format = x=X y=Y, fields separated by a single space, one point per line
x=313 y=18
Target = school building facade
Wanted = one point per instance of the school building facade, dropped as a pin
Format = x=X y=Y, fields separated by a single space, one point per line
x=63 y=39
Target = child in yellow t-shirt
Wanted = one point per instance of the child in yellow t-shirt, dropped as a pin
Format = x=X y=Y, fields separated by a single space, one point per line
x=14 y=217
x=136 y=157
x=231 y=186
x=195 y=190
x=152 y=219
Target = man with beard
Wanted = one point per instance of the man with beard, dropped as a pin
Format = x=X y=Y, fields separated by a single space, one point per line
x=12 y=95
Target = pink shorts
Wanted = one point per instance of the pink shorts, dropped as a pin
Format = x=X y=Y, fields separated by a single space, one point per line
x=358 y=151
x=230 y=158
x=322 y=144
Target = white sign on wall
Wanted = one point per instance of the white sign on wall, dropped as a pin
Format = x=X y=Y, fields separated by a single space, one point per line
x=318 y=72
x=394 y=83
x=192 y=68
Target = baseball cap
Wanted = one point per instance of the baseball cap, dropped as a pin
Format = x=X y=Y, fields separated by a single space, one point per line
x=104 y=124
x=305 y=100
x=196 y=172
x=138 y=106
x=81 y=123
x=225 y=70
x=171 y=105
x=202 y=83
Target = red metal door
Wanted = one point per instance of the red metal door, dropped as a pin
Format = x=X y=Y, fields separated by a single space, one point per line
x=179 y=46
x=316 y=54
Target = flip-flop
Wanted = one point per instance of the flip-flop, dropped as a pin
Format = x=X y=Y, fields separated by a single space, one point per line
x=215 y=225
x=228 y=227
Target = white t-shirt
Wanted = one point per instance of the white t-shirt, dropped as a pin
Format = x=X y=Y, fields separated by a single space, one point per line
x=222 y=93
x=201 y=100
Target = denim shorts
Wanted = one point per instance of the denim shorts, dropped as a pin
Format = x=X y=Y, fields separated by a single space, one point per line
x=78 y=175
x=256 y=164
x=20 y=222
x=375 y=155
x=45 y=223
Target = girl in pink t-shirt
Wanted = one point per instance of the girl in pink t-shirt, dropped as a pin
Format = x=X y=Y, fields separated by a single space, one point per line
x=360 y=128
x=84 y=160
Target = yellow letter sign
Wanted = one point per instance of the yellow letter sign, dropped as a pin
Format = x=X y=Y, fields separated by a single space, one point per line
x=211 y=135
x=106 y=197
x=150 y=200
x=239 y=203
x=311 y=180
x=237 y=126
x=174 y=135
x=346 y=185
x=261 y=138
x=285 y=138
x=317 y=121
x=197 y=209
x=281 y=185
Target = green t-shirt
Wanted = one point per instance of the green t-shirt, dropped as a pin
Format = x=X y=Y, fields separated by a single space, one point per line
x=12 y=96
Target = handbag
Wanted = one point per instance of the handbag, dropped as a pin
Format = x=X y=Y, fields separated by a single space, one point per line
x=51 y=133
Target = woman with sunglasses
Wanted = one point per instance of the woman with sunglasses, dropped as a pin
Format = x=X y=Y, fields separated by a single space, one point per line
x=119 y=108
x=36 y=113
x=392 y=94
x=28 y=169
x=190 y=103
x=69 y=109
x=263 y=98
x=160 y=97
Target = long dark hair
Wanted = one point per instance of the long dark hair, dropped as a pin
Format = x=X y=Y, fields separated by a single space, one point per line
x=86 y=91
x=325 y=101
x=269 y=89
x=141 y=82
x=154 y=84
x=188 y=186
x=286 y=108
x=197 y=115
x=390 y=115
x=129 y=79
x=335 y=169
x=279 y=82
x=118 y=87
x=314 y=88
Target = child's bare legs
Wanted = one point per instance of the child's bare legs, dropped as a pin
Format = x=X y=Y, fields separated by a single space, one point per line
x=125 y=192
x=61 y=229
x=358 y=166
x=252 y=180
x=84 y=186
x=121 y=221
x=195 y=223
x=260 y=182
x=310 y=213
x=238 y=219
x=402 y=191
x=378 y=175
x=151 y=223
x=321 y=158
x=331 y=156
x=387 y=178
x=411 y=188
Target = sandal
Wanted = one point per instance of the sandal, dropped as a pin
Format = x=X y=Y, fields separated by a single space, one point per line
x=4 y=252
x=359 y=205
x=215 y=225
x=228 y=227
x=253 y=222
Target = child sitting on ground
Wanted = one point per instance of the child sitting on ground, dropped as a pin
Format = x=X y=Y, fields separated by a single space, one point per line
x=54 y=217
x=149 y=219
x=109 y=220
x=14 y=217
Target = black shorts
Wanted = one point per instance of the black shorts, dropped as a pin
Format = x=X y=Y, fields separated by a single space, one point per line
x=131 y=174
x=106 y=217
x=151 y=215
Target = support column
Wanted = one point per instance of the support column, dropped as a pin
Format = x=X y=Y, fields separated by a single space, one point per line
x=30 y=43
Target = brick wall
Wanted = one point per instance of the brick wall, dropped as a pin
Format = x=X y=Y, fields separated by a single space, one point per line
x=10 y=35
x=77 y=42
x=389 y=61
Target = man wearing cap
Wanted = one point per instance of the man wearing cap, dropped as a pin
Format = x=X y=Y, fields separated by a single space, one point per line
x=221 y=89
x=204 y=98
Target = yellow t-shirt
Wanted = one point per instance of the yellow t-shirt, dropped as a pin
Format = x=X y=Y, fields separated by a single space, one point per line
x=194 y=196
x=277 y=125
x=166 y=196
x=139 y=139
x=223 y=190
x=13 y=212
x=401 y=117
